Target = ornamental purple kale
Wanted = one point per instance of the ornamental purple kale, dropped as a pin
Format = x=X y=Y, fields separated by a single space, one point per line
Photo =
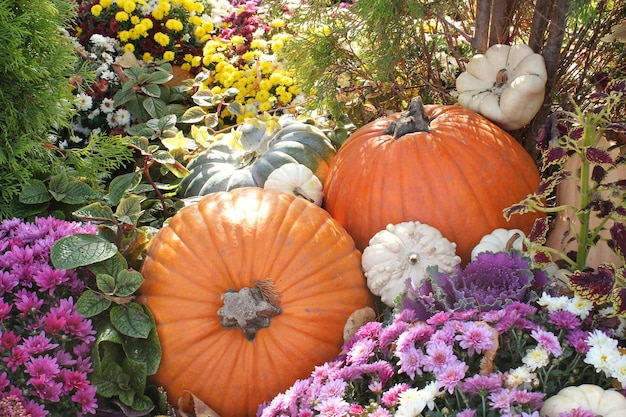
x=45 y=344
x=490 y=282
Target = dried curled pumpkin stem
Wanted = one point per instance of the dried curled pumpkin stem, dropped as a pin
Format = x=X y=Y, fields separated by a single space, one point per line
x=250 y=309
x=414 y=119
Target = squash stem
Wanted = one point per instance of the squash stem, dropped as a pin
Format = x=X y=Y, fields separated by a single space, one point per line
x=413 y=120
x=250 y=309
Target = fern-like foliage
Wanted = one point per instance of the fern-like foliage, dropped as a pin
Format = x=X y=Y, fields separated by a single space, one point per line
x=371 y=56
x=36 y=60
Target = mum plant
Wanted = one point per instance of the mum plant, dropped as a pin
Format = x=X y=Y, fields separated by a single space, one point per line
x=502 y=353
x=46 y=343
x=171 y=30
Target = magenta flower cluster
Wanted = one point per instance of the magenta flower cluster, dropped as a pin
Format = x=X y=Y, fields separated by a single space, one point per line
x=45 y=344
x=503 y=362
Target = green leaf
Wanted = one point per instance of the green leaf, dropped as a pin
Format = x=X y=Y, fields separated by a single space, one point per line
x=204 y=98
x=58 y=186
x=129 y=209
x=193 y=114
x=131 y=320
x=106 y=283
x=112 y=266
x=138 y=374
x=148 y=350
x=151 y=90
x=106 y=381
x=78 y=192
x=95 y=212
x=154 y=106
x=235 y=108
x=140 y=130
x=123 y=96
x=80 y=249
x=158 y=77
x=91 y=304
x=127 y=282
x=35 y=192
x=120 y=184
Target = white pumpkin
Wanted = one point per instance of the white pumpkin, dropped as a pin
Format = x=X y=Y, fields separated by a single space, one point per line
x=401 y=252
x=498 y=241
x=605 y=403
x=296 y=179
x=506 y=84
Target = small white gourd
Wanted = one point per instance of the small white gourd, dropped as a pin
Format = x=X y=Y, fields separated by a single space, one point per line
x=401 y=252
x=506 y=84
x=605 y=403
x=499 y=240
x=296 y=179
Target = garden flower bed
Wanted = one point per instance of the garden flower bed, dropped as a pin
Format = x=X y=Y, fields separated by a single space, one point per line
x=279 y=208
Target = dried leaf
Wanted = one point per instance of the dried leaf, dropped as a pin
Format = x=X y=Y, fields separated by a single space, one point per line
x=356 y=320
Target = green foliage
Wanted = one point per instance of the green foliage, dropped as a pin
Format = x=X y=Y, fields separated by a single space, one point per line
x=127 y=349
x=145 y=94
x=76 y=178
x=36 y=60
x=372 y=56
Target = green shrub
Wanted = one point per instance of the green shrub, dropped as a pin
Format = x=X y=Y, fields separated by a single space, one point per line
x=36 y=61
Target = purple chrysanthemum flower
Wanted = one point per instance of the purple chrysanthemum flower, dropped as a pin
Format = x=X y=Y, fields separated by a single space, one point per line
x=564 y=320
x=578 y=412
x=490 y=282
x=482 y=384
x=548 y=341
x=476 y=337
x=45 y=343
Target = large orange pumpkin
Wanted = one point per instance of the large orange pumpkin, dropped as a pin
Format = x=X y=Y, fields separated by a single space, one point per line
x=250 y=290
x=445 y=166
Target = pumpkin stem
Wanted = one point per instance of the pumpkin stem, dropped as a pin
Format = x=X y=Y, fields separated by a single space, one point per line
x=414 y=119
x=250 y=309
x=511 y=241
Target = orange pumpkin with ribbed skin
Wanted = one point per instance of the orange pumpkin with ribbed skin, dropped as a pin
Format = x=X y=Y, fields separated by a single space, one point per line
x=280 y=258
x=452 y=169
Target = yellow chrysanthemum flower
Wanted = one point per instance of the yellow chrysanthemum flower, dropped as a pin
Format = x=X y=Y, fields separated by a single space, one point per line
x=147 y=23
x=129 y=6
x=185 y=66
x=129 y=47
x=147 y=57
x=258 y=44
x=169 y=55
x=96 y=9
x=277 y=23
x=161 y=38
x=237 y=40
x=124 y=35
x=106 y=3
x=196 y=61
x=135 y=20
x=121 y=16
x=174 y=24
x=265 y=106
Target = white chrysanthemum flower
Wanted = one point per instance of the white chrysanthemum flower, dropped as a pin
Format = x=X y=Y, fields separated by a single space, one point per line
x=579 y=306
x=553 y=303
x=83 y=101
x=104 y=42
x=519 y=376
x=536 y=358
x=410 y=403
x=619 y=369
x=107 y=58
x=108 y=75
x=107 y=106
x=603 y=352
x=601 y=339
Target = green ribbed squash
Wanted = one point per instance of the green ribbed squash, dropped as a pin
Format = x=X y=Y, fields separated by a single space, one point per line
x=223 y=167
